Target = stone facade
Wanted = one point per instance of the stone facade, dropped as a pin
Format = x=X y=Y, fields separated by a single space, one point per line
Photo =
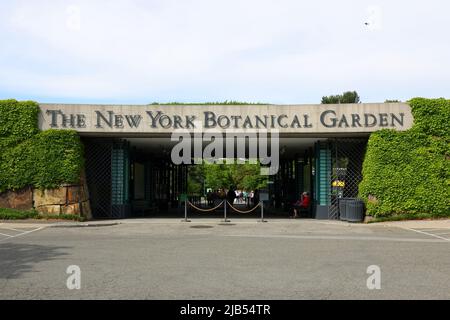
x=67 y=199
x=47 y=197
x=20 y=199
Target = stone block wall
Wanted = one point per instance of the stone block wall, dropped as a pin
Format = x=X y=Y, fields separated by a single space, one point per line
x=67 y=199
x=20 y=199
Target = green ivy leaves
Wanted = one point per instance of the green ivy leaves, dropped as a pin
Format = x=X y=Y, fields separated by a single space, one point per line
x=32 y=158
x=409 y=172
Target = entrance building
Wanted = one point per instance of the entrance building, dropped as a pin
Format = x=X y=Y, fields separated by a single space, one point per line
x=130 y=171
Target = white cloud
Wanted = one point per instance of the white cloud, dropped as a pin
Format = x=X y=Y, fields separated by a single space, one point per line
x=275 y=51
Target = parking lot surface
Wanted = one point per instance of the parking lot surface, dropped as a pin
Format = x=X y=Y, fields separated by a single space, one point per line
x=207 y=259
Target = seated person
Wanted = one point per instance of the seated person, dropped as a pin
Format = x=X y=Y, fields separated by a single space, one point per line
x=302 y=203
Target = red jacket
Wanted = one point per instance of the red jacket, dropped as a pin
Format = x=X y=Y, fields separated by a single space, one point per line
x=304 y=202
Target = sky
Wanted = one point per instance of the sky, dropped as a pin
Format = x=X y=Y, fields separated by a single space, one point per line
x=281 y=51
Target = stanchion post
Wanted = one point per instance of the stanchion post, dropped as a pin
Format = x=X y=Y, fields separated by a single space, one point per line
x=225 y=211
x=261 y=203
x=263 y=196
x=185 y=209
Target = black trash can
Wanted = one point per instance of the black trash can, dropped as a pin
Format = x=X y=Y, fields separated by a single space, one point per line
x=355 y=210
x=342 y=209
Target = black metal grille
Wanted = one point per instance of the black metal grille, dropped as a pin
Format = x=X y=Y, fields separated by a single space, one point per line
x=346 y=174
x=98 y=175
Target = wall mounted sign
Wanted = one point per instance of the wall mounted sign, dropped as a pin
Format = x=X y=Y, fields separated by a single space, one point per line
x=285 y=118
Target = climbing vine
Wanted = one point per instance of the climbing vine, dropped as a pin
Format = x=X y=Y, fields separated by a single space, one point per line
x=30 y=157
x=409 y=172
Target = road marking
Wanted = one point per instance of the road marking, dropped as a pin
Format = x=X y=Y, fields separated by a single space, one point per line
x=338 y=238
x=6 y=235
x=426 y=233
x=442 y=234
x=21 y=234
x=12 y=229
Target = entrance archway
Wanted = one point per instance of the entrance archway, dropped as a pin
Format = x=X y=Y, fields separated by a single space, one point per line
x=135 y=177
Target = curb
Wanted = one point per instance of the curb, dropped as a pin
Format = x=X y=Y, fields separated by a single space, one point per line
x=86 y=225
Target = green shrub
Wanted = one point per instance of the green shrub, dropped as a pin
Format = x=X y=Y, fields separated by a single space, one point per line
x=32 y=158
x=407 y=216
x=13 y=214
x=409 y=172
x=71 y=217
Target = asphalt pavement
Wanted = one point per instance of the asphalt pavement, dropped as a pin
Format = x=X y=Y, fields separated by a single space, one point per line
x=207 y=259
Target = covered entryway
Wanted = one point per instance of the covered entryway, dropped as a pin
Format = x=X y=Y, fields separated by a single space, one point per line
x=130 y=171
x=135 y=177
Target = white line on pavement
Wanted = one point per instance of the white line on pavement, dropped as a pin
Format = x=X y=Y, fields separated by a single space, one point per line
x=337 y=238
x=426 y=233
x=12 y=229
x=23 y=233
x=6 y=235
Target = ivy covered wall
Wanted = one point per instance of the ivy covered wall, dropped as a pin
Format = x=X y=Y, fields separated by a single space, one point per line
x=409 y=172
x=403 y=172
x=30 y=157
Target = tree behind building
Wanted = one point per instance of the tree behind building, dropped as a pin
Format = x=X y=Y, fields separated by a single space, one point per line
x=346 y=97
